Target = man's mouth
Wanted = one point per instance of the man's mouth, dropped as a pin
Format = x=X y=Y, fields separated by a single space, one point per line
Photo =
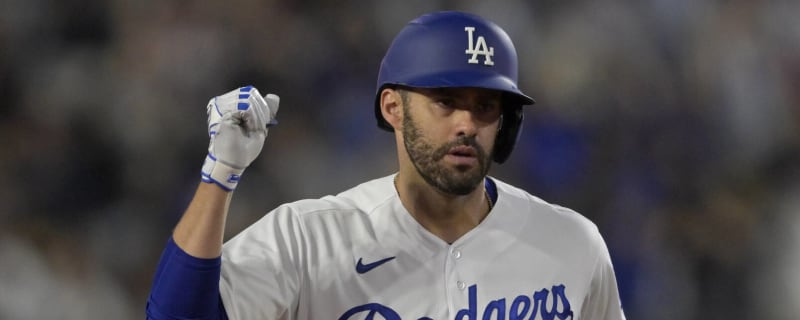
x=463 y=151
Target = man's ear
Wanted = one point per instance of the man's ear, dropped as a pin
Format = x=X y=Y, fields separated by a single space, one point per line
x=391 y=105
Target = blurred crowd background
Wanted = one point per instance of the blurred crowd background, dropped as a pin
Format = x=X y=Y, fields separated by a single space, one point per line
x=674 y=125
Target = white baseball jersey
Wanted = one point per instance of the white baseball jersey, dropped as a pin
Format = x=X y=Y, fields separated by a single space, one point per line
x=361 y=255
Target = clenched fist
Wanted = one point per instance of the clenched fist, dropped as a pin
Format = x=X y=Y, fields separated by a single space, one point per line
x=237 y=126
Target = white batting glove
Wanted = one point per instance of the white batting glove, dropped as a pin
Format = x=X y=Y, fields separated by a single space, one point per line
x=237 y=127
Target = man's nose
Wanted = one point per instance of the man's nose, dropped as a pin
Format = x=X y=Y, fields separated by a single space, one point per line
x=465 y=122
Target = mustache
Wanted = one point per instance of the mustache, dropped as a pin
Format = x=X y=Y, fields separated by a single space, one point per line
x=460 y=141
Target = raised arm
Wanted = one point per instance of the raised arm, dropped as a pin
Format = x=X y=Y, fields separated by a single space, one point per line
x=237 y=127
x=186 y=283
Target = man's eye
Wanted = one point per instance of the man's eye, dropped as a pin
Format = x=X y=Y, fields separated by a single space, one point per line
x=488 y=107
x=446 y=103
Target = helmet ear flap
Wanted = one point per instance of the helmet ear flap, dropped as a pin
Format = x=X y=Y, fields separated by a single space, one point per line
x=508 y=133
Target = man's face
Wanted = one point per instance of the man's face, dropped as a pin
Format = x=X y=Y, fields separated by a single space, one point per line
x=449 y=135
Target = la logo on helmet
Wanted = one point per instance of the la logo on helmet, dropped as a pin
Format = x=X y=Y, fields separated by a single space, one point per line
x=479 y=48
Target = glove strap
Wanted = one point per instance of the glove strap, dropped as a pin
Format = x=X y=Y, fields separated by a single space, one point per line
x=225 y=176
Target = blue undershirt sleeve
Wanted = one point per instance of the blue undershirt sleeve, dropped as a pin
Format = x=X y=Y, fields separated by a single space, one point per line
x=185 y=287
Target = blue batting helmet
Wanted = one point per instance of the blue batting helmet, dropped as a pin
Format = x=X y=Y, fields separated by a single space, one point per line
x=455 y=49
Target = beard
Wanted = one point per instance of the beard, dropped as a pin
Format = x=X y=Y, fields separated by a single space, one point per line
x=427 y=159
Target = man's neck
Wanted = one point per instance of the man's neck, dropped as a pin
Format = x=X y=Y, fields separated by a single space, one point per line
x=445 y=215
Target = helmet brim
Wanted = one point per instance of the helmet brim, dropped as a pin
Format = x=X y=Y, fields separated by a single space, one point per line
x=468 y=79
x=458 y=79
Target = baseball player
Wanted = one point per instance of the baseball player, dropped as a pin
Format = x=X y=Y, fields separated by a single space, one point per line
x=439 y=239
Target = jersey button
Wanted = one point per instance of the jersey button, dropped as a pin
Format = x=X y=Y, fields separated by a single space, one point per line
x=461 y=285
x=456 y=253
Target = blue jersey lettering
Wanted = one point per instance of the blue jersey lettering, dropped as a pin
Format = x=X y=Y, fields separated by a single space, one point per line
x=543 y=304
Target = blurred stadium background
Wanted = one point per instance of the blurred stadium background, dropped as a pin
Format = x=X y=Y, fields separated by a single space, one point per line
x=673 y=124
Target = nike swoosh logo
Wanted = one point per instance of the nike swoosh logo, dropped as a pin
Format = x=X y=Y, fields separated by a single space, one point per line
x=364 y=268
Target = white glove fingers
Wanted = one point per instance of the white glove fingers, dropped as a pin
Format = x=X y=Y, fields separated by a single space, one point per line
x=226 y=103
x=260 y=109
x=252 y=101
x=243 y=95
x=233 y=100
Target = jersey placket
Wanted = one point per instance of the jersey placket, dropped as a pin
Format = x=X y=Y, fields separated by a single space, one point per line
x=455 y=282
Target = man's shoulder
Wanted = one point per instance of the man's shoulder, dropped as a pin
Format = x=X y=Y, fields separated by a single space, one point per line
x=545 y=215
x=362 y=198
